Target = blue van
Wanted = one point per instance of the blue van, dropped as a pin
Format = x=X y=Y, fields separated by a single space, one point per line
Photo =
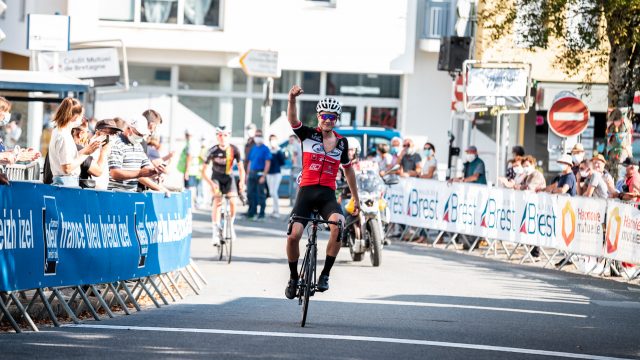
x=368 y=136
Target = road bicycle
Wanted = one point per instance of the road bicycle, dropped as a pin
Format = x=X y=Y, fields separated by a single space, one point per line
x=307 y=279
x=226 y=233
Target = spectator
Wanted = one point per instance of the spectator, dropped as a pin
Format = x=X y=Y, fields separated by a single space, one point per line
x=92 y=125
x=384 y=158
x=274 y=177
x=631 y=188
x=95 y=163
x=410 y=160
x=259 y=164
x=251 y=133
x=191 y=169
x=153 y=121
x=10 y=157
x=64 y=157
x=618 y=137
x=514 y=177
x=396 y=146
x=294 y=152
x=517 y=151
x=534 y=180
x=577 y=155
x=13 y=131
x=474 y=169
x=110 y=129
x=128 y=163
x=430 y=165
x=592 y=173
x=565 y=183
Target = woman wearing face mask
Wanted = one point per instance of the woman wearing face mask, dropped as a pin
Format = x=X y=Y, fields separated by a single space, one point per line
x=430 y=165
x=64 y=157
x=6 y=155
x=274 y=177
x=518 y=174
x=534 y=180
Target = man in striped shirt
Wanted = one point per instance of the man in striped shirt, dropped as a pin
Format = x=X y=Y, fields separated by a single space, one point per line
x=128 y=163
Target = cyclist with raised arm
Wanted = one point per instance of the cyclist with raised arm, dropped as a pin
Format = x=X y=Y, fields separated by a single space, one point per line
x=323 y=152
x=222 y=181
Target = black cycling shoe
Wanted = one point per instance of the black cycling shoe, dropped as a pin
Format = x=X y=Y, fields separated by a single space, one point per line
x=323 y=283
x=292 y=287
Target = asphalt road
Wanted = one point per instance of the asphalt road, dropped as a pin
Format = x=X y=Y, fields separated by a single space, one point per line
x=420 y=303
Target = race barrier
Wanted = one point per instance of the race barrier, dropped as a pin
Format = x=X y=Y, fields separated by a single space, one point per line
x=601 y=228
x=95 y=243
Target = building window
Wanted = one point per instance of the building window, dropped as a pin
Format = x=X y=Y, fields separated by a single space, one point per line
x=159 y=11
x=204 y=108
x=311 y=82
x=363 y=85
x=149 y=75
x=237 y=126
x=187 y=12
x=117 y=10
x=199 y=78
x=239 y=80
x=436 y=19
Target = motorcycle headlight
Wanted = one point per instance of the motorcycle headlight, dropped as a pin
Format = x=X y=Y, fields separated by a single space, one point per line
x=369 y=202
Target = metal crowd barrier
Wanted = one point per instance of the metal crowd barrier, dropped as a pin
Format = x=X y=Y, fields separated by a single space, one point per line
x=125 y=295
x=425 y=208
x=25 y=172
x=113 y=247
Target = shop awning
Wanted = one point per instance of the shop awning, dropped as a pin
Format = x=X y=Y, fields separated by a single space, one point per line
x=39 y=86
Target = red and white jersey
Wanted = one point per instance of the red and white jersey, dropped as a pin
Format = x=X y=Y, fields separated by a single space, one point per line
x=318 y=166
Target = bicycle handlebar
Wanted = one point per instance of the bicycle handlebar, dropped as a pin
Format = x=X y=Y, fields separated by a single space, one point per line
x=316 y=221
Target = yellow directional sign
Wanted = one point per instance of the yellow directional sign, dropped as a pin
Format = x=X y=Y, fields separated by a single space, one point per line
x=260 y=63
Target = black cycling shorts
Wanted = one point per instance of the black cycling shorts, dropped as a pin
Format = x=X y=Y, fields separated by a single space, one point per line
x=317 y=197
x=226 y=184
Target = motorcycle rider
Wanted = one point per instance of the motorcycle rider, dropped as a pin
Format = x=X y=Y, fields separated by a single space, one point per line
x=346 y=200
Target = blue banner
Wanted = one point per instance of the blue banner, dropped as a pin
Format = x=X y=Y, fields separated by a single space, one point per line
x=55 y=236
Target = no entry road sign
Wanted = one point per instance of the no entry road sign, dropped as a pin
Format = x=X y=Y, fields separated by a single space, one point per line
x=568 y=116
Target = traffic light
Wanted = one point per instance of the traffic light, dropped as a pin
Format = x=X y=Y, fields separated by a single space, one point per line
x=3 y=7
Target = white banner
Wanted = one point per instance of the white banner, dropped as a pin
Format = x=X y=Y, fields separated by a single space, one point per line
x=82 y=64
x=623 y=232
x=571 y=224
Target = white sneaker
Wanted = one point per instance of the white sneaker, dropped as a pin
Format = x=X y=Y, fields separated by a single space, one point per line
x=215 y=237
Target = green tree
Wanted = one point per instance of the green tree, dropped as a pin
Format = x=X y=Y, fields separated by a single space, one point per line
x=596 y=34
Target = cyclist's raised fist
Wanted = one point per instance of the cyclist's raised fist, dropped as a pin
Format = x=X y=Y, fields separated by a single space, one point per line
x=295 y=92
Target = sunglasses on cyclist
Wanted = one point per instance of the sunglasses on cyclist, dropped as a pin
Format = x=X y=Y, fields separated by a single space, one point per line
x=330 y=117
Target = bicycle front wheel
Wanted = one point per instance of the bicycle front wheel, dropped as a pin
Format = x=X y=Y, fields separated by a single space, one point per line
x=229 y=241
x=309 y=283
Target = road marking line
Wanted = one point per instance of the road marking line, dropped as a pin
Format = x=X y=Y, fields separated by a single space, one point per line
x=456 y=306
x=352 y=338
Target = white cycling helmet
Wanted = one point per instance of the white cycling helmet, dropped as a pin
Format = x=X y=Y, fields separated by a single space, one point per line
x=329 y=105
x=222 y=130
x=354 y=143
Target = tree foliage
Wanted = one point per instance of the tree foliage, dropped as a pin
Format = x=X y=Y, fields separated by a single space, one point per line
x=604 y=34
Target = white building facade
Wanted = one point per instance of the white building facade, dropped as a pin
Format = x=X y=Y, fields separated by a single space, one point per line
x=378 y=57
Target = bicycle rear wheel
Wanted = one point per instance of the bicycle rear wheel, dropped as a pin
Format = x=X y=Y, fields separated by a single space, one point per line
x=309 y=282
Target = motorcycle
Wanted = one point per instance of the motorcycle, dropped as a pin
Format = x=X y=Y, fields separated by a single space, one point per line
x=364 y=232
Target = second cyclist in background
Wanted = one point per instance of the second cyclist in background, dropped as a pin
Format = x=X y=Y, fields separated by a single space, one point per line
x=222 y=181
